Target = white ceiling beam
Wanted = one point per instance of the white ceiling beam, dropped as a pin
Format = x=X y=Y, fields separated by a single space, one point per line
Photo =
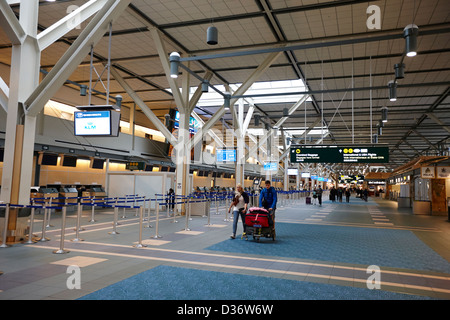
x=240 y=91
x=68 y=23
x=164 y=57
x=10 y=24
x=145 y=109
x=68 y=63
x=4 y=95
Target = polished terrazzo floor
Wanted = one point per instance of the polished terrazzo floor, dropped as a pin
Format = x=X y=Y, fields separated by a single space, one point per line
x=319 y=253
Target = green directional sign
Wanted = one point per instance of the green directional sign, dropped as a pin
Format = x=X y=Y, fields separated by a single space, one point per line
x=339 y=154
x=135 y=166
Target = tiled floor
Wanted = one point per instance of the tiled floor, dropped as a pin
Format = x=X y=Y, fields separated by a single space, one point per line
x=32 y=271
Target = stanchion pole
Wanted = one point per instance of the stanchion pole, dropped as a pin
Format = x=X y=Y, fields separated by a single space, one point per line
x=148 y=214
x=209 y=212
x=49 y=214
x=63 y=231
x=188 y=212
x=141 y=221
x=93 y=210
x=174 y=214
x=226 y=211
x=77 y=228
x=5 y=227
x=43 y=238
x=30 y=230
x=156 y=236
x=116 y=214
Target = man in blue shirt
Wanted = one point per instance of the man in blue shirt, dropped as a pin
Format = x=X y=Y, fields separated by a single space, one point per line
x=268 y=200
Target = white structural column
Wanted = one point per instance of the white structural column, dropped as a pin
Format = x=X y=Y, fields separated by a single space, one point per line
x=27 y=97
x=25 y=63
x=240 y=143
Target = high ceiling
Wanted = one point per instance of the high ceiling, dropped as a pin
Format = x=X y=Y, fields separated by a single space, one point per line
x=338 y=51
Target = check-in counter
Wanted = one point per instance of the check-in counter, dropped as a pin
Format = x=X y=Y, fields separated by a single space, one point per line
x=47 y=193
x=69 y=193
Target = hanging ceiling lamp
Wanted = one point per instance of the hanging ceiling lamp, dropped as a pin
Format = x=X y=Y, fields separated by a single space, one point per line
x=212 y=36
x=384 y=114
x=410 y=34
x=399 y=70
x=392 y=85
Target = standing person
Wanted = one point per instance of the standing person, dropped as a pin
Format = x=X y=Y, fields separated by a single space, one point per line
x=340 y=194
x=314 y=196
x=268 y=201
x=171 y=199
x=239 y=206
x=319 y=195
x=365 y=194
x=333 y=193
x=347 y=195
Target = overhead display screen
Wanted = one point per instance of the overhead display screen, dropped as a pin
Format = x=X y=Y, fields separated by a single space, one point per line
x=339 y=154
x=270 y=166
x=226 y=155
x=93 y=123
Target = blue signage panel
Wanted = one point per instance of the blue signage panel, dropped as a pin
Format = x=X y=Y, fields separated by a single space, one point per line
x=226 y=155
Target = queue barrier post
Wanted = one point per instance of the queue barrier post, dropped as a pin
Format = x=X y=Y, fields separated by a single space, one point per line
x=63 y=230
x=30 y=230
x=156 y=236
x=49 y=213
x=43 y=238
x=78 y=227
x=188 y=212
x=148 y=214
x=174 y=212
x=141 y=221
x=5 y=227
x=116 y=214
x=93 y=210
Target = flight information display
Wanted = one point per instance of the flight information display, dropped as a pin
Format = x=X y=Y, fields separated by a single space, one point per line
x=339 y=154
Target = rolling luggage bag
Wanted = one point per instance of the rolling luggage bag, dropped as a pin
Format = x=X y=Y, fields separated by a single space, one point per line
x=257 y=219
x=308 y=200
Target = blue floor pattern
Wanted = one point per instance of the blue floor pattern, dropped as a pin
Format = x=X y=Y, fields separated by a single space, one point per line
x=367 y=246
x=176 y=283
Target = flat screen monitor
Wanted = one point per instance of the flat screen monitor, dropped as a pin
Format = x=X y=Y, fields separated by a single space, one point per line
x=69 y=161
x=48 y=159
x=226 y=155
x=96 y=123
x=97 y=163
x=292 y=172
x=306 y=175
x=270 y=166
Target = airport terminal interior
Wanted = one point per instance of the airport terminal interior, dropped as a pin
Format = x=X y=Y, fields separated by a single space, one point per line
x=239 y=150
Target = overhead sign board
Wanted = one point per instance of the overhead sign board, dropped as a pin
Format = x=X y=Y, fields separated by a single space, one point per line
x=339 y=154
x=270 y=166
x=135 y=166
x=226 y=155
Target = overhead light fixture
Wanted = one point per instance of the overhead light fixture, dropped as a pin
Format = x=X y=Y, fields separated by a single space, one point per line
x=205 y=86
x=384 y=114
x=118 y=102
x=392 y=90
x=380 y=123
x=410 y=34
x=174 y=60
x=379 y=130
x=227 y=99
x=83 y=90
x=399 y=70
x=257 y=117
x=212 y=36
x=285 y=112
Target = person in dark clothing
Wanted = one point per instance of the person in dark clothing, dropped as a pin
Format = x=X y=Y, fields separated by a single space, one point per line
x=268 y=201
x=171 y=198
x=347 y=195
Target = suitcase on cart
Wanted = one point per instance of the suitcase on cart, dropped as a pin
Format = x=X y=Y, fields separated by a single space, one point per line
x=257 y=219
x=308 y=200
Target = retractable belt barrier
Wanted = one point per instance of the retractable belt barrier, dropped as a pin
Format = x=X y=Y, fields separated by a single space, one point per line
x=139 y=203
